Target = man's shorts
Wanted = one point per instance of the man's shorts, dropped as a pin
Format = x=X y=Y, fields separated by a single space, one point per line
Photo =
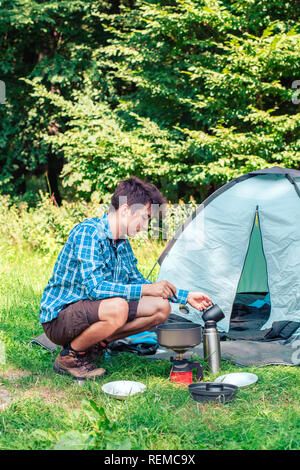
x=77 y=317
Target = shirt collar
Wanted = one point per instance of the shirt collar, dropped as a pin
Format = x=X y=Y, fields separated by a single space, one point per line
x=108 y=232
x=106 y=227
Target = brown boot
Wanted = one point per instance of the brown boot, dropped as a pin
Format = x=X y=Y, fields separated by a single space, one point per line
x=97 y=351
x=77 y=364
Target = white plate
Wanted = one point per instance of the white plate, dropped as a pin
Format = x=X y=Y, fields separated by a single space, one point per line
x=240 y=379
x=122 y=389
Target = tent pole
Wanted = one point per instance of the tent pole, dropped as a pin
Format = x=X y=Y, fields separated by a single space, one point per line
x=293 y=182
x=151 y=270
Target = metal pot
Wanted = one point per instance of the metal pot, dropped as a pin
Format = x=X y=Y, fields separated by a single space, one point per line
x=179 y=336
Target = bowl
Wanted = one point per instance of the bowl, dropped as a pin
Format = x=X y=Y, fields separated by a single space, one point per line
x=240 y=379
x=122 y=389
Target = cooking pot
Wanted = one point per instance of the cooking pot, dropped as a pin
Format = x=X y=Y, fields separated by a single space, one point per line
x=179 y=337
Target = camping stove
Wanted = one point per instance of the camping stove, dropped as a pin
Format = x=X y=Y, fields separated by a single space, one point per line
x=180 y=337
x=182 y=370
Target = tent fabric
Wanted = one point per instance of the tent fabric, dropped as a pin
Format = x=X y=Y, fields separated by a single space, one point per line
x=290 y=174
x=210 y=252
x=45 y=342
x=254 y=276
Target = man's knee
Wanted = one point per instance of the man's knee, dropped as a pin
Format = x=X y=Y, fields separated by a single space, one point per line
x=115 y=312
x=163 y=311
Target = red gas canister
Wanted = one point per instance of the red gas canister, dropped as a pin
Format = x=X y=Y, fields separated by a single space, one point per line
x=182 y=371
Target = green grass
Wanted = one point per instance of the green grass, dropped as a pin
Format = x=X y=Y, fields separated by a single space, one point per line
x=47 y=410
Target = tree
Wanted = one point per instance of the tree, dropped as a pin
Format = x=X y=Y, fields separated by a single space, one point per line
x=51 y=42
x=185 y=93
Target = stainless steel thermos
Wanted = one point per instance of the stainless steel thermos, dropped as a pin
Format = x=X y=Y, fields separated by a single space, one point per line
x=211 y=339
x=211 y=346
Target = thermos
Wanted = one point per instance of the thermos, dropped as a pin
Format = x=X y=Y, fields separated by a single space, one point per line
x=211 y=339
x=211 y=346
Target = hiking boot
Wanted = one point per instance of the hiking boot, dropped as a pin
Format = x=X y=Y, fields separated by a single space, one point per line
x=77 y=364
x=97 y=351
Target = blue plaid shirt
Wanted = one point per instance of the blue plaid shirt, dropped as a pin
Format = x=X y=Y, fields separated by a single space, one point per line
x=91 y=265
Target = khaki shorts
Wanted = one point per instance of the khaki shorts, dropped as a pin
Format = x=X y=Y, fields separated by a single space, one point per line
x=77 y=317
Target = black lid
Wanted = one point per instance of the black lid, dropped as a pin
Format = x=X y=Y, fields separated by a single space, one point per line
x=210 y=324
x=210 y=391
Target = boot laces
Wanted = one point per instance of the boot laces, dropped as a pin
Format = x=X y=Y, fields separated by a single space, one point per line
x=83 y=360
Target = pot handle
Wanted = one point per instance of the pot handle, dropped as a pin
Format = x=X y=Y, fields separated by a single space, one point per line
x=215 y=387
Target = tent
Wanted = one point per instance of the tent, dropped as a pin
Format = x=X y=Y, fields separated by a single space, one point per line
x=244 y=238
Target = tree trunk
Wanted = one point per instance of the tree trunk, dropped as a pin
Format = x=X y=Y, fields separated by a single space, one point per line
x=54 y=167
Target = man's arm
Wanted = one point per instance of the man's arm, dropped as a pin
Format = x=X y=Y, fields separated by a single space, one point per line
x=88 y=254
x=166 y=290
x=138 y=278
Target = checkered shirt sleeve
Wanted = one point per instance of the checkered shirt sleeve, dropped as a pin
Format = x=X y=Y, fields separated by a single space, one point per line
x=92 y=269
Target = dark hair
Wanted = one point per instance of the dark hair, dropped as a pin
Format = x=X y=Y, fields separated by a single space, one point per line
x=137 y=192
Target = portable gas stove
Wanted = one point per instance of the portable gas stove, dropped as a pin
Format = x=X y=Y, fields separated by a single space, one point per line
x=182 y=370
x=180 y=337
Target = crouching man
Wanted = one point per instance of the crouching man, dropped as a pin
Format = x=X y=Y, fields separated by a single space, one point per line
x=96 y=293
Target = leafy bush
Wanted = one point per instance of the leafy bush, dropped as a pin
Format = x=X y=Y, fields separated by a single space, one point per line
x=45 y=228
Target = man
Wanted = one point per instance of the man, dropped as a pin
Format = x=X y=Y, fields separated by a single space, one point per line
x=96 y=293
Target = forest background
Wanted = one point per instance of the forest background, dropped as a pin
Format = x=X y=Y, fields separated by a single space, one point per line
x=187 y=94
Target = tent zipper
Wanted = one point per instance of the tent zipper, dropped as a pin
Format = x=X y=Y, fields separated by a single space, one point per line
x=256 y=216
x=263 y=250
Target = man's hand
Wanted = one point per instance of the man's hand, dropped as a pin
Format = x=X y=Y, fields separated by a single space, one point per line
x=162 y=289
x=199 y=300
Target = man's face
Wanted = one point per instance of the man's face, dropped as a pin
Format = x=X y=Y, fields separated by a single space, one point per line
x=138 y=220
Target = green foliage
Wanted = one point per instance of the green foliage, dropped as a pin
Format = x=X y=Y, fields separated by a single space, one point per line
x=50 y=41
x=45 y=227
x=185 y=93
x=100 y=436
x=223 y=94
